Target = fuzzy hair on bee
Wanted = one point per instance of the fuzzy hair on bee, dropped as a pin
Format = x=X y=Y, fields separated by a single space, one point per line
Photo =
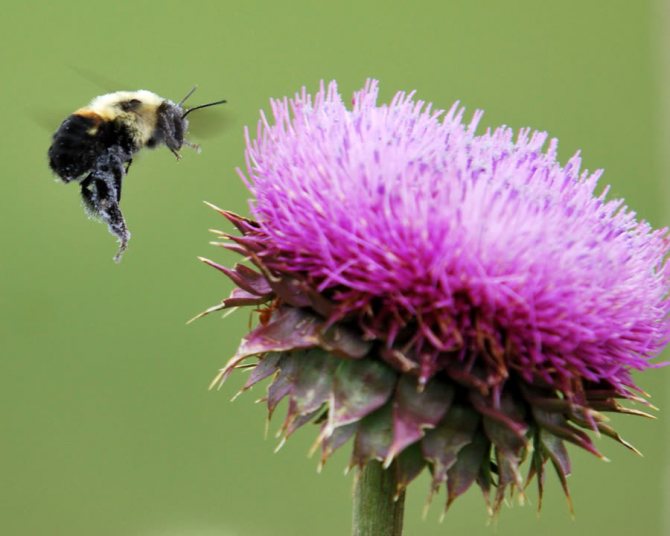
x=95 y=146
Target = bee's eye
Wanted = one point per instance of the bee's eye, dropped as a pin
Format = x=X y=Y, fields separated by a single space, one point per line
x=130 y=105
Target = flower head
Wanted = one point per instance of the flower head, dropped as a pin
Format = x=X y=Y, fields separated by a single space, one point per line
x=448 y=298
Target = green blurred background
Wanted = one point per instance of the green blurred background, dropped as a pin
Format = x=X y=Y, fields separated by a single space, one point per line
x=106 y=424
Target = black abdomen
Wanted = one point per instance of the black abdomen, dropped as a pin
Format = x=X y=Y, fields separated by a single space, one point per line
x=79 y=142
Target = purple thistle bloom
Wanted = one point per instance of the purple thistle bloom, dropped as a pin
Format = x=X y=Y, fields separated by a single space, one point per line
x=392 y=204
x=502 y=292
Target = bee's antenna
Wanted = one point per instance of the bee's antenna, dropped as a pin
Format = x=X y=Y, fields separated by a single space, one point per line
x=201 y=106
x=187 y=96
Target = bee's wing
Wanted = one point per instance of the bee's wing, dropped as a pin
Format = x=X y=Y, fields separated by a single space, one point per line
x=210 y=122
x=49 y=120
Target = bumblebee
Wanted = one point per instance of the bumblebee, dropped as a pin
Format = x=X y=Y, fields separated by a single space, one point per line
x=96 y=144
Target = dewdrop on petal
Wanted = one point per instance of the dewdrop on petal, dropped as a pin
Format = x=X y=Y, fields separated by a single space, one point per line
x=436 y=297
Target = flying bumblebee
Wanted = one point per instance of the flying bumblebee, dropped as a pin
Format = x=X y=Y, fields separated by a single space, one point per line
x=96 y=144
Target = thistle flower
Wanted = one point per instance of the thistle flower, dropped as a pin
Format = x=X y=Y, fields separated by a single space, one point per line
x=440 y=298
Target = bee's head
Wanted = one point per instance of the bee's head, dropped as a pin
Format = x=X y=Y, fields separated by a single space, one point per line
x=172 y=123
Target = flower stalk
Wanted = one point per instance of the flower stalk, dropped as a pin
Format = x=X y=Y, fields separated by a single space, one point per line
x=377 y=508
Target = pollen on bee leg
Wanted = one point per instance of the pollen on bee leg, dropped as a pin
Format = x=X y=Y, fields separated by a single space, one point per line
x=122 y=248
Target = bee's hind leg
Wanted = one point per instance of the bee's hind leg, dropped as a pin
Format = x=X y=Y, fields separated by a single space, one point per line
x=112 y=167
x=101 y=192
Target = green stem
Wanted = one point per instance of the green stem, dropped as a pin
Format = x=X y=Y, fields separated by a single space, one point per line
x=376 y=512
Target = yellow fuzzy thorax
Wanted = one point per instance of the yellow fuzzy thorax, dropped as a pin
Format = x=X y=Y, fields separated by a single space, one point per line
x=141 y=121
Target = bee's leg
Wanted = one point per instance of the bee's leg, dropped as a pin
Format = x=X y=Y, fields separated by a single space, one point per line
x=118 y=181
x=193 y=146
x=117 y=226
x=171 y=125
x=119 y=173
x=100 y=192
x=100 y=202
x=111 y=168
x=88 y=197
